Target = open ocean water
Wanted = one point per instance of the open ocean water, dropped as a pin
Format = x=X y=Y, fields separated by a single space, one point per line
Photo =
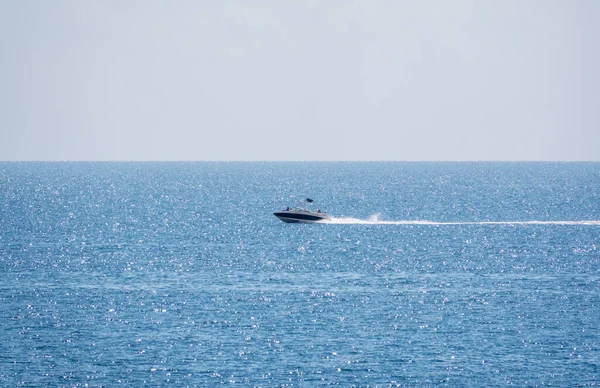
x=155 y=274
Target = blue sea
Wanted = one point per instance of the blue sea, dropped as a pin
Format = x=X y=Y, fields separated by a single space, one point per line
x=428 y=274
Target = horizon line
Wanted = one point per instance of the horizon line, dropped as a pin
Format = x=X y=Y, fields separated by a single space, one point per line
x=291 y=161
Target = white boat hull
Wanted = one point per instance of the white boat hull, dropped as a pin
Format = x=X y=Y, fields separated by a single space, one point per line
x=300 y=216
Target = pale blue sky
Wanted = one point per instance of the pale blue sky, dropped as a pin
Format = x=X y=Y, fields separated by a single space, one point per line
x=300 y=80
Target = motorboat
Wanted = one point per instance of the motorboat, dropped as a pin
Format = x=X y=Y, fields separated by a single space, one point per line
x=301 y=216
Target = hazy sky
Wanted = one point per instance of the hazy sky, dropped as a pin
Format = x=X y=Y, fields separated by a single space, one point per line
x=300 y=80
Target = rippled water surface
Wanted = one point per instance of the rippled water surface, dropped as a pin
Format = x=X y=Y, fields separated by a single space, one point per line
x=459 y=274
